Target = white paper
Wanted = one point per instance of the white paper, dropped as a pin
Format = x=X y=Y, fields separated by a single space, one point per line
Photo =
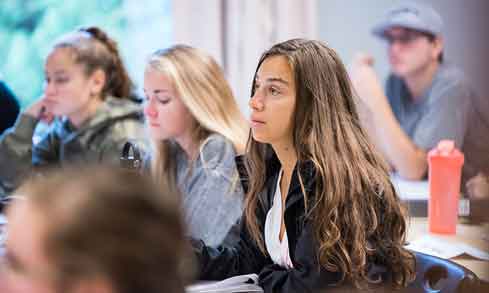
x=441 y=248
x=241 y=283
x=410 y=189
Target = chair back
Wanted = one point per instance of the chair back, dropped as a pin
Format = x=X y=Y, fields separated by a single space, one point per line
x=433 y=275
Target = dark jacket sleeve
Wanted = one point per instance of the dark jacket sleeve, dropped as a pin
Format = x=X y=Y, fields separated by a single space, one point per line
x=217 y=263
x=9 y=109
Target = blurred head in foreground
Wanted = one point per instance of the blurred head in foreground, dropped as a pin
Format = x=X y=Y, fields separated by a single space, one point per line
x=93 y=230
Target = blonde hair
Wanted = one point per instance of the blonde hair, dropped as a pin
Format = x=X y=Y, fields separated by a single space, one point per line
x=203 y=89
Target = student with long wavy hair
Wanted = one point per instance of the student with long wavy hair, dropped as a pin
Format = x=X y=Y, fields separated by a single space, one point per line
x=197 y=130
x=87 y=91
x=320 y=208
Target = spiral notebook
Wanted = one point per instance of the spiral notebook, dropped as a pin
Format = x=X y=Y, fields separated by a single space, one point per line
x=237 y=284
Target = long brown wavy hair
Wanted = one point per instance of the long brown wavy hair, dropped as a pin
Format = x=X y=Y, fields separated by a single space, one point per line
x=354 y=209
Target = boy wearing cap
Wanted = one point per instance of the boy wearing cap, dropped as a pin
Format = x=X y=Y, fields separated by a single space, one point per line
x=425 y=99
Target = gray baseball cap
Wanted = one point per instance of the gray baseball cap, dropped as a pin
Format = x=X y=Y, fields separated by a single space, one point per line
x=411 y=15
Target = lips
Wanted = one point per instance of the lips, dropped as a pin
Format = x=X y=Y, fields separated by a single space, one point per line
x=153 y=124
x=257 y=122
x=50 y=102
x=394 y=60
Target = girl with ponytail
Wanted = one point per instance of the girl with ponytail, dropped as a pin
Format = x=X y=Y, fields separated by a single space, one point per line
x=86 y=97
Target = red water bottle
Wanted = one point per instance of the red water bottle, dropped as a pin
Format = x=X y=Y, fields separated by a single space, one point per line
x=445 y=170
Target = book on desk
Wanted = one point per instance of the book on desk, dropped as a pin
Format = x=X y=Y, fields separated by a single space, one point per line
x=241 y=283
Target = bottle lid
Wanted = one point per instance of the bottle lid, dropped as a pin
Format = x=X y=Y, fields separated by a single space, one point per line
x=447 y=149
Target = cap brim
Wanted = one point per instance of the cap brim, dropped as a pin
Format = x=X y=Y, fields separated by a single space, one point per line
x=380 y=29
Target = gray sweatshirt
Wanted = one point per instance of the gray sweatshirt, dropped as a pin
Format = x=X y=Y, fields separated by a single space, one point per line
x=212 y=196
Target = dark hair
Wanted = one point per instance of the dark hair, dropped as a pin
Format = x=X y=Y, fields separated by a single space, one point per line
x=431 y=37
x=95 y=50
x=112 y=223
x=355 y=212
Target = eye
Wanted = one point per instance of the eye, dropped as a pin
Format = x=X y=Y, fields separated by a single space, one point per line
x=274 y=91
x=61 y=79
x=163 y=101
x=256 y=86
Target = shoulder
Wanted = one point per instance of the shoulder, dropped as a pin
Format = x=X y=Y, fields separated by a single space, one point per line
x=216 y=151
x=451 y=82
x=120 y=111
x=121 y=118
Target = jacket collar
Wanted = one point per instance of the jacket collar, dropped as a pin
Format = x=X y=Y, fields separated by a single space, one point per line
x=304 y=168
x=112 y=109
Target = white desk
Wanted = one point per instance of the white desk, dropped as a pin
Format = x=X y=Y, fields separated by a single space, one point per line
x=474 y=235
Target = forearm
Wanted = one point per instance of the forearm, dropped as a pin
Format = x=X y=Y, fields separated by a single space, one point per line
x=405 y=157
x=368 y=125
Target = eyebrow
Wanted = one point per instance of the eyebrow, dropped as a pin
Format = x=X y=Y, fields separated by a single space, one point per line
x=56 y=72
x=275 y=79
x=158 y=91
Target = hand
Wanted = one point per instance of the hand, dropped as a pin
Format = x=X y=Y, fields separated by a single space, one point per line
x=39 y=110
x=365 y=82
x=478 y=186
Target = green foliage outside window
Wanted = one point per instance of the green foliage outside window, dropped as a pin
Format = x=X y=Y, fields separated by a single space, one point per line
x=28 y=28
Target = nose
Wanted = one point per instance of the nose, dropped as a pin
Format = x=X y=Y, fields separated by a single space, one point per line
x=256 y=102
x=49 y=89
x=150 y=110
x=395 y=47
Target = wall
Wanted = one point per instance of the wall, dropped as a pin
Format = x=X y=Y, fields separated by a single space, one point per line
x=346 y=24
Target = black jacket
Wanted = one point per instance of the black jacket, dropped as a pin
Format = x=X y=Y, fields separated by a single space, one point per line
x=245 y=257
x=9 y=107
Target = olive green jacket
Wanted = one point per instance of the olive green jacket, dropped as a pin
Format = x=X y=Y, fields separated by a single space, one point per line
x=98 y=140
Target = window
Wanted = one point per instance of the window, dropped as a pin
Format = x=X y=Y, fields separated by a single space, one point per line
x=29 y=27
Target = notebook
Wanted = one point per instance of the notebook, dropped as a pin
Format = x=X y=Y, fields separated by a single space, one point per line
x=241 y=283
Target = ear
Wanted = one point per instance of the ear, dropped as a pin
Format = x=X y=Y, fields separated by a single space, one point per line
x=97 y=81
x=438 y=45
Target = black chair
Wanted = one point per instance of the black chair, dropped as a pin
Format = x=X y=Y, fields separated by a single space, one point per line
x=433 y=275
